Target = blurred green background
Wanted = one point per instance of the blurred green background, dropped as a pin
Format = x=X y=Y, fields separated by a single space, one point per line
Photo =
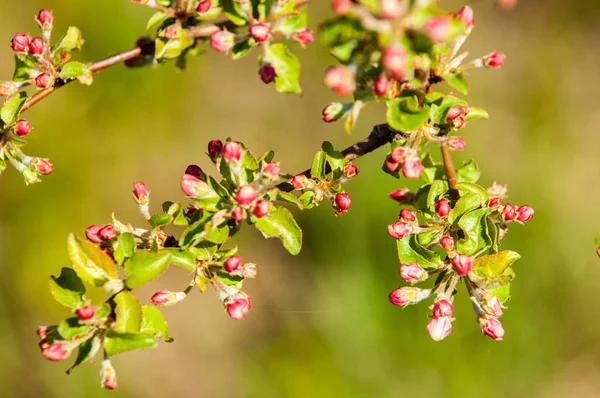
x=321 y=325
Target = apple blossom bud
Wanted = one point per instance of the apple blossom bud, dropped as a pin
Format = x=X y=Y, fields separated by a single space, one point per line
x=443 y=308
x=107 y=232
x=267 y=73
x=92 y=233
x=456 y=143
x=442 y=208
x=453 y=113
x=215 y=147
x=350 y=170
x=192 y=186
x=394 y=61
x=401 y=195
x=36 y=46
x=399 y=229
x=42 y=166
x=498 y=190
x=203 y=6
x=222 y=40
x=22 y=128
x=489 y=303
x=85 y=313
x=439 y=328
x=342 y=203
x=447 y=243
x=232 y=264
x=381 y=85
x=408 y=295
x=57 y=351
x=166 y=298
x=232 y=151
x=20 y=43
x=390 y=9
x=109 y=375
x=466 y=16
x=246 y=195
x=438 y=28
x=408 y=216
x=304 y=36
x=332 y=112
x=508 y=212
x=238 y=306
x=598 y=251
x=260 y=32
x=412 y=167
x=341 y=7
x=249 y=270
x=43 y=331
x=340 y=79
x=140 y=192
x=196 y=171
x=238 y=214
x=494 y=60
x=494 y=203
x=43 y=80
x=462 y=264
x=391 y=165
x=261 y=209
x=524 y=213
x=491 y=327
x=506 y=4
x=271 y=170
x=398 y=154
x=8 y=88
x=300 y=181
x=412 y=273
x=45 y=19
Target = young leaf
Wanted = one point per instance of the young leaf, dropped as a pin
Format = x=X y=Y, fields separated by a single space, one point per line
x=159 y=220
x=154 y=324
x=76 y=70
x=125 y=248
x=491 y=266
x=411 y=252
x=71 y=41
x=117 y=343
x=68 y=289
x=242 y=48
x=90 y=263
x=476 y=113
x=234 y=12
x=456 y=81
x=84 y=353
x=129 y=313
x=464 y=205
x=23 y=64
x=503 y=292
x=473 y=225
x=469 y=172
x=183 y=258
x=438 y=188
x=281 y=224
x=287 y=68
x=71 y=327
x=335 y=159
x=292 y=23
x=467 y=187
x=12 y=108
x=318 y=166
x=144 y=267
x=404 y=114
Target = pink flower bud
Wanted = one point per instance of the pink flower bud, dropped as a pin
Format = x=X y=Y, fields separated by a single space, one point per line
x=172 y=31
x=381 y=85
x=390 y=9
x=43 y=80
x=140 y=192
x=267 y=73
x=238 y=306
x=439 y=328
x=350 y=170
x=494 y=202
x=196 y=171
x=456 y=143
x=271 y=170
x=22 y=128
x=42 y=166
x=45 y=19
x=443 y=308
x=260 y=32
x=453 y=113
x=399 y=229
x=192 y=186
x=215 y=147
x=466 y=16
x=438 y=28
x=394 y=61
x=447 y=243
x=238 y=214
x=342 y=203
x=490 y=304
x=20 y=43
x=261 y=209
x=494 y=60
x=304 y=36
x=232 y=151
x=222 y=40
x=442 y=208
x=166 y=298
x=398 y=154
x=408 y=295
x=507 y=4
x=92 y=233
x=85 y=313
x=491 y=327
x=412 y=273
x=109 y=375
x=498 y=190
x=391 y=165
x=56 y=351
x=341 y=7
x=412 y=167
x=598 y=251
x=203 y=6
x=8 y=88
x=36 y=46
x=400 y=195
x=340 y=79
x=508 y=213
x=107 y=232
x=42 y=332
x=462 y=264
x=408 y=216
x=524 y=213
x=249 y=270
x=246 y=195
x=300 y=181
x=332 y=112
x=232 y=264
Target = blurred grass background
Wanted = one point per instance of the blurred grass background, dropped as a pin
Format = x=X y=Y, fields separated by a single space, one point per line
x=320 y=325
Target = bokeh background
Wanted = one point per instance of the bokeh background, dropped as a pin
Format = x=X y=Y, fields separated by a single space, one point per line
x=320 y=325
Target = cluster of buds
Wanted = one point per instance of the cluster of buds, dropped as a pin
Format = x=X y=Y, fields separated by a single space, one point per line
x=405 y=160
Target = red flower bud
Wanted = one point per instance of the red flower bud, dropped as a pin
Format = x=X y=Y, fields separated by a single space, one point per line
x=341 y=7
x=107 y=232
x=36 y=46
x=447 y=243
x=466 y=16
x=438 y=28
x=442 y=308
x=400 y=195
x=92 y=233
x=246 y=195
x=394 y=61
x=391 y=165
x=42 y=166
x=462 y=264
x=456 y=143
x=249 y=270
x=494 y=60
x=191 y=185
x=261 y=209
x=442 y=208
x=459 y=122
x=332 y=112
x=222 y=40
x=42 y=332
x=398 y=154
x=238 y=214
x=408 y=295
x=494 y=202
x=412 y=167
x=232 y=151
x=340 y=79
x=381 y=85
x=215 y=147
x=238 y=306
x=453 y=113
x=300 y=181
x=20 y=43
x=43 y=80
x=304 y=36
x=45 y=19
x=491 y=327
x=232 y=263
x=203 y=6
x=524 y=213
x=56 y=351
x=408 y=216
x=85 y=313
x=412 y=273
x=140 y=192
x=390 y=9
x=22 y=127
x=196 y=171
x=167 y=298
x=109 y=375
x=350 y=170
x=260 y=32
x=342 y=203
x=598 y=251
x=399 y=229
x=271 y=170
x=508 y=213
x=439 y=328
x=267 y=73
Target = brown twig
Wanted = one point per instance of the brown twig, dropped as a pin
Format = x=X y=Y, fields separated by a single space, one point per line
x=449 y=167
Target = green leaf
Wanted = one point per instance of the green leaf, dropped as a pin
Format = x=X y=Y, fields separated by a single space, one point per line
x=70 y=328
x=125 y=248
x=160 y=220
x=473 y=225
x=467 y=187
x=154 y=323
x=195 y=232
x=318 y=166
x=84 y=353
x=411 y=252
x=23 y=64
x=90 y=263
x=431 y=169
x=129 y=313
x=12 y=108
x=76 y=70
x=183 y=258
x=292 y=23
x=281 y=224
x=469 y=172
x=68 y=289
x=493 y=265
x=156 y=19
x=276 y=194
x=438 y=188
x=234 y=12
x=117 y=343
x=174 y=47
x=503 y=292
x=464 y=205
x=335 y=159
x=144 y=267
x=287 y=68
x=457 y=81
x=476 y=113
x=404 y=114
x=242 y=48
x=71 y=41
x=441 y=105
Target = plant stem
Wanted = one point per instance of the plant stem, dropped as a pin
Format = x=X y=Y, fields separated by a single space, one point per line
x=449 y=166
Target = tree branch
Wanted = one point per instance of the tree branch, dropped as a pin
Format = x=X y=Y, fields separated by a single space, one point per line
x=449 y=167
